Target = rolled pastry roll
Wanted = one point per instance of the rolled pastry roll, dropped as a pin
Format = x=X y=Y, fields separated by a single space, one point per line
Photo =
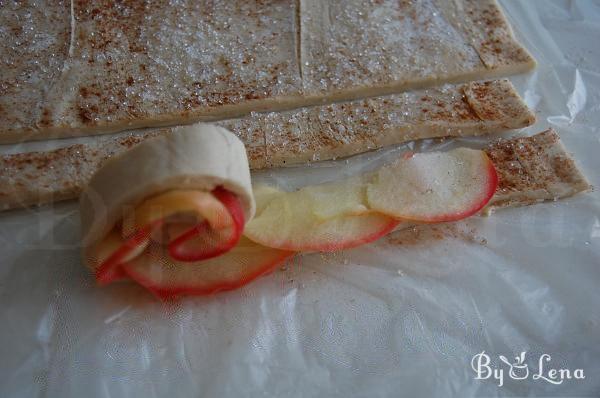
x=185 y=196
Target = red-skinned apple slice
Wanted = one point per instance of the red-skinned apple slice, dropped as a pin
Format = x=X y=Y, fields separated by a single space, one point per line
x=195 y=204
x=168 y=278
x=434 y=187
x=113 y=251
x=208 y=224
x=338 y=233
x=221 y=228
x=292 y=221
x=204 y=241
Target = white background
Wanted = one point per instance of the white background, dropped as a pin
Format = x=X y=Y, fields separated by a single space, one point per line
x=382 y=320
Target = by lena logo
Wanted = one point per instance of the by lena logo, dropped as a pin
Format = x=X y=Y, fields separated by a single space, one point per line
x=519 y=370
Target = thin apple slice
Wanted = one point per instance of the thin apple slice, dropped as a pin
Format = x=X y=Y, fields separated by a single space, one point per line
x=263 y=194
x=169 y=278
x=205 y=240
x=114 y=251
x=347 y=197
x=208 y=223
x=312 y=235
x=325 y=201
x=435 y=186
x=195 y=205
x=289 y=222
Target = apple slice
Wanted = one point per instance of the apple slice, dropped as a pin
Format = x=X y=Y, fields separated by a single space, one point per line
x=339 y=198
x=113 y=251
x=206 y=240
x=311 y=234
x=207 y=224
x=325 y=201
x=435 y=186
x=178 y=205
x=263 y=194
x=305 y=221
x=169 y=278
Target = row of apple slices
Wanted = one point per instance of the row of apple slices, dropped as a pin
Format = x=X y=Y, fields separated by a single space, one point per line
x=427 y=187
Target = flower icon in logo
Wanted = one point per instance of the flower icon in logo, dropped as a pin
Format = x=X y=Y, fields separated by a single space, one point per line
x=519 y=369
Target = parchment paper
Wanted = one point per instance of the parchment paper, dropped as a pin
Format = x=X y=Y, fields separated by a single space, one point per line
x=401 y=317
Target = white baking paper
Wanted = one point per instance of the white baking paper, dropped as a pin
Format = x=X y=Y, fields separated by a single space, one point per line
x=414 y=314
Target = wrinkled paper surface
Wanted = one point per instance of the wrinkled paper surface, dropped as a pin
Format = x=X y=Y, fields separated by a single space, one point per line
x=404 y=316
